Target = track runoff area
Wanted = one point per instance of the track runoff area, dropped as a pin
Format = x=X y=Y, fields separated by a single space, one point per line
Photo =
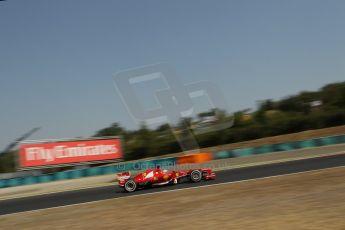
x=223 y=177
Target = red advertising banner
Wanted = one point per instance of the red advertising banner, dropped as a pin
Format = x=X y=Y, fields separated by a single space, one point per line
x=68 y=152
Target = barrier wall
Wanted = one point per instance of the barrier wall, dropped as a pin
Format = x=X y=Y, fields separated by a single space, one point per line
x=95 y=171
x=317 y=142
x=192 y=158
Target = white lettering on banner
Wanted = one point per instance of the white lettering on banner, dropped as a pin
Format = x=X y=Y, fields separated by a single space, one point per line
x=61 y=151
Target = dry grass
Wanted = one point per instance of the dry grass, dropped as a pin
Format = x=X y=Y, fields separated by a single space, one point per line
x=314 y=200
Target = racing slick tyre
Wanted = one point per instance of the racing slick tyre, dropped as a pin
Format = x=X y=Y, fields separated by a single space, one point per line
x=130 y=186
x=195 y=176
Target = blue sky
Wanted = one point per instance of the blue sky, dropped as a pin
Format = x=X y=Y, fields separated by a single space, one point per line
x=57 y=58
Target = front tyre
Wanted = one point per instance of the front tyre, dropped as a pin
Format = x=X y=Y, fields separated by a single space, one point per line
x=130 y=186
x=195 y=176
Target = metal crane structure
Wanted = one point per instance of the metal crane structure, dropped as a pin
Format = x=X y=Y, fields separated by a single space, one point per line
x=13 y=144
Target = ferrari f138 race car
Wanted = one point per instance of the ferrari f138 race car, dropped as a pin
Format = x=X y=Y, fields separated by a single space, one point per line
x=158 y=177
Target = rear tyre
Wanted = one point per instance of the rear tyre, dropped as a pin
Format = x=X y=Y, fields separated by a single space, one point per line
x=195 y=176
x=130 y=186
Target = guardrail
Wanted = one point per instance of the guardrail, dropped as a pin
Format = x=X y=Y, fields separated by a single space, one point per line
x=94 y=171
x=193 y=158
x=317 y=142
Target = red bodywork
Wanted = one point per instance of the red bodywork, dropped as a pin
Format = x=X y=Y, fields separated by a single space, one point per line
x=158 y=177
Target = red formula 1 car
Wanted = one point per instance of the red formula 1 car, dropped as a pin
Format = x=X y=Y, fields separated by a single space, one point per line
x=158 y=177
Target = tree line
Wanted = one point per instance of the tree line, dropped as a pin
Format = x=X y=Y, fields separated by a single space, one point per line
x=303 y=111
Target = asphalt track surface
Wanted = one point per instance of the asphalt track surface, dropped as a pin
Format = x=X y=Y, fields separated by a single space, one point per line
x=102 y=193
